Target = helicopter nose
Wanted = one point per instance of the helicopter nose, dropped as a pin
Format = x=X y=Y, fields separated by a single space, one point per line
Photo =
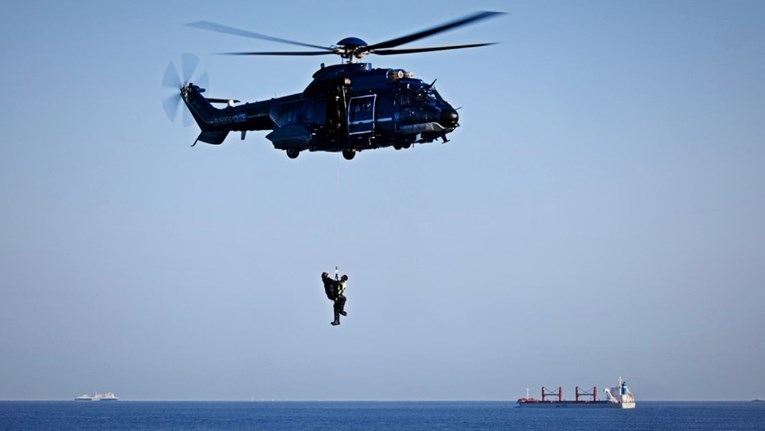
x=449 y=118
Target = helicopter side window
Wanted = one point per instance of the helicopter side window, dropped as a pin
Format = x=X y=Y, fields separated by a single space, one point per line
x=287 y=115
x=361 y=114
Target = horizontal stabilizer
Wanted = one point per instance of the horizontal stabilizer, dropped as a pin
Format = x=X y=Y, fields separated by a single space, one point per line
x=212 y=137
x=227 y=101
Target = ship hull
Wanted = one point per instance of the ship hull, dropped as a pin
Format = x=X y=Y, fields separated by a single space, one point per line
x=574 y=404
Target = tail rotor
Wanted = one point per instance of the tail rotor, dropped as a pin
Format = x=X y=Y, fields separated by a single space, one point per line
x=178 y=82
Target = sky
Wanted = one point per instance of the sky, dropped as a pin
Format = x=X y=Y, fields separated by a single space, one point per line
x=598 y=213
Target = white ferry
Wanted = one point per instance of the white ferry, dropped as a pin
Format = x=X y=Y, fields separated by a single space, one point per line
x=109 y=396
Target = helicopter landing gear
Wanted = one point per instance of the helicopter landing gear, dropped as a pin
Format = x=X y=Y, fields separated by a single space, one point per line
x=349 y=154
x=292 y=153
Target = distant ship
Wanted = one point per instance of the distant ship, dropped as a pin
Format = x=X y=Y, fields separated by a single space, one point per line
x=109 y=396
x=618 y=396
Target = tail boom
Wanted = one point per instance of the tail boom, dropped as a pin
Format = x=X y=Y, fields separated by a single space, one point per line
x=216 y=123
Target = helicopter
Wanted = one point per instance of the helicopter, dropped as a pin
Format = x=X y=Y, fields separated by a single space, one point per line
x=347 y=107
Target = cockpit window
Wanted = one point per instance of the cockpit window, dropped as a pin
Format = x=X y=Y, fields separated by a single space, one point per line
x=427 y=95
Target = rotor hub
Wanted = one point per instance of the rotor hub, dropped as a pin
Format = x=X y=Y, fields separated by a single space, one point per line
x=351 y=42
x=348 y=48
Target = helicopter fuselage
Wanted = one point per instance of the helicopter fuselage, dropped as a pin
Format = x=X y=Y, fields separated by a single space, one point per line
x=347 y=108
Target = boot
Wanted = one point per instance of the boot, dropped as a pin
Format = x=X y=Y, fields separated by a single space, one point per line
x=335 y=322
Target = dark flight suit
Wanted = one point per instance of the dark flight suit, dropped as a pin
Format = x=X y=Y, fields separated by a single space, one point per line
x=334 y=290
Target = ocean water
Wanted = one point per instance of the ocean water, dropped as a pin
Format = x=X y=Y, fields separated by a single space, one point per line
x=127 y=415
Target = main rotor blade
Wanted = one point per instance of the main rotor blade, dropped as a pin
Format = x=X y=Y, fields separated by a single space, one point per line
x=296 y=53
x=431 y=31
x=220 y=28
x=428 y=49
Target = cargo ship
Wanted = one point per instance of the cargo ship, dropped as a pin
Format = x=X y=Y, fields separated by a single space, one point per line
x=618 y=396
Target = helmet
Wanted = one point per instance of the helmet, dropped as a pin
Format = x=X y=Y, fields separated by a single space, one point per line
x=344 y=277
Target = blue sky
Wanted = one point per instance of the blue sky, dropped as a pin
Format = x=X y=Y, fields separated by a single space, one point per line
x=598 y=213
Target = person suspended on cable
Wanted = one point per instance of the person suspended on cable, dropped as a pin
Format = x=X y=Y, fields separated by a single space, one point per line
x=335 y=290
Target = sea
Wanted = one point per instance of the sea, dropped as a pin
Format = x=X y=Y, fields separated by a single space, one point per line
x=456 y=416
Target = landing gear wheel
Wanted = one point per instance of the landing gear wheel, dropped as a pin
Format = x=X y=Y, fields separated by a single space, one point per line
x=406 y=145
x=349 y=154
x=292 y=153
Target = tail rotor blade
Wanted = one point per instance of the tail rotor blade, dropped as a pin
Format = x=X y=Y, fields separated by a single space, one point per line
x=171 y=79
x=189 y=63
x=171 y=105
